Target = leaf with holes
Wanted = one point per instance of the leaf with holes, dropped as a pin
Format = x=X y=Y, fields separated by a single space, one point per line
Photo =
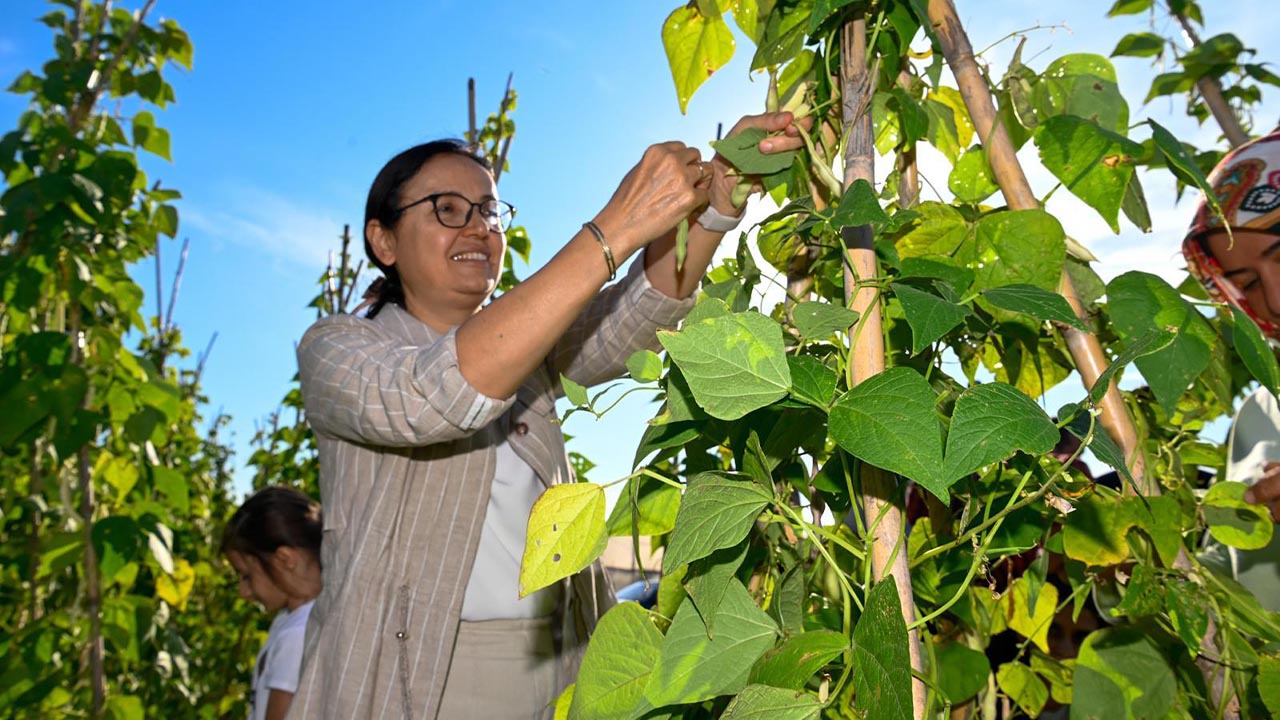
x=717 y=512
x=972 y=180
x=1095 y=164
x=566 y=533
x=1233 y=521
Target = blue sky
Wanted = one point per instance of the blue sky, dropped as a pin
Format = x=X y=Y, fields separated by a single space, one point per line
x=292 y=107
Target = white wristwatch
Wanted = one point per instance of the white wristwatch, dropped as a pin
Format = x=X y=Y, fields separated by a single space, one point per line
x=714 y=221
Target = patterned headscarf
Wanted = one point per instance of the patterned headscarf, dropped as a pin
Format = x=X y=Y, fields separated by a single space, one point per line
x=1247 y=186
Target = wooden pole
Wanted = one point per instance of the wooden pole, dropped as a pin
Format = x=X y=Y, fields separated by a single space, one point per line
x=1085 y=349
x=883 y=499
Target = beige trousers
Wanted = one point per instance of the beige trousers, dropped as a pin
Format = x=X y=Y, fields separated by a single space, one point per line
x=501 y=670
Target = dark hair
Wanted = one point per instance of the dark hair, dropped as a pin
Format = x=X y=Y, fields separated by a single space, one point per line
x=273 y=518
x=384 y=203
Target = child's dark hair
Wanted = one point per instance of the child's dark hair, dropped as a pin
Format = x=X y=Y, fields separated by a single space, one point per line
x=385 y=200
x=274 y=517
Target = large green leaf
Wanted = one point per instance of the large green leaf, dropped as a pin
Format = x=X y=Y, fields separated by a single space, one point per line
x=1019 y=247
x=791 y=664
x=762 y=702
x=1083 y=85
x=811 y=380
x=882 y=663
x=734 y=363
x=1095 y=164
x=566 y=533
x=693 y=667
x=929 y=316
x=1235 y=522
x=118 y=541
x=1036 y=302
x=990 y=422
x=939 y=231
x=889 y=421
x=696 y=47
x=858 y=206
x=717 y=512
x=616 y=667
x=1140 y=302
x=1255 y=351
x=1121 y=673
x=1094 y=532
x=784 y=32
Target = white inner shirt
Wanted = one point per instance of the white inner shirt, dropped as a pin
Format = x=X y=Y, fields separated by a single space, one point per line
x=493 y=592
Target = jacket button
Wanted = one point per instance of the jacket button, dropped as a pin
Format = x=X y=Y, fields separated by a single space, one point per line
x=522 y=428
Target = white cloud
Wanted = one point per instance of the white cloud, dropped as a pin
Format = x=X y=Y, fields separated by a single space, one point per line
x=264 y=222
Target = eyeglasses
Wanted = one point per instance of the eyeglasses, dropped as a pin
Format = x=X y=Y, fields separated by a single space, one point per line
x=454 y=211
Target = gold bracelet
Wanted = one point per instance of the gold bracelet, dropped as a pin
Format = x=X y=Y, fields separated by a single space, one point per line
x=608 y=254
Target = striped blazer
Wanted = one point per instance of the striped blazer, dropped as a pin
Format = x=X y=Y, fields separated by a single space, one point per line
x=406 y=463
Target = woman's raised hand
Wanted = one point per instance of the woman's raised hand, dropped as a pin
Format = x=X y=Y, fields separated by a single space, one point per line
x=720 y=192
x=666 y=186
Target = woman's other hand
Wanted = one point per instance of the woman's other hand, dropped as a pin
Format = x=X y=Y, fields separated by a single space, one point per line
x=1267 y=490
x=666 y=186
x=723 y=181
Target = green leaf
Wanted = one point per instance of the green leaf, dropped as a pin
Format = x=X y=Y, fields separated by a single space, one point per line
x=889 y=421
x=1083 y=85
x=566 y=533
x=943 y=131
x=124 y=707
x=1129 y=7
x=742 y=150
x=1121 y=673
x=173 y=486
x=1189 y=612
x=1023 y=687
x=118 y=541
x=734 y=364
x=929 y=316
x=812 y=381
x=939 y=231
x=958 y=278
x=657 y=503
x=992 y=421
x=564 y=702
x=858 y=206
x=1095 y=532
x=1019 y=247
x=717 y=512
x=693 y=667
x=784 y=33
x=119 y=472
x=574 y=393
x=1269 y=682
x=762 y=702
x=147 y=136
x=616 y=666
x=1031 y=622
x=882 y=664
x=708 y=578
x=788 y=605
x=1151 y=341
x=696 y=47
x=1255 y=351
x=1134 y=205
x=644 y=366
x=1096 y=165
x=1140 y=302
x=1181 y=164
x=791 y=664
x=1036 y=302
x=1142 y=44
x=961 y=671
x=1233 y=521
x=972 y=180
x=820 y=320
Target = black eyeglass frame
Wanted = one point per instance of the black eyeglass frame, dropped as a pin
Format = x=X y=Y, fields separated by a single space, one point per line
x=509 y=214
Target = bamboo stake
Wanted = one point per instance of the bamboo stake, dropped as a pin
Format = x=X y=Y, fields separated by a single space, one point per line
x=1085 y=348
x=882 y=498
x=92 y=576
x=1211 y=90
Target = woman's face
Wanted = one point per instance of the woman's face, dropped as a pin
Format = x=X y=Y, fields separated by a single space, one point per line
x=255 y=584
x=1252 y=264
x=444 y=269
